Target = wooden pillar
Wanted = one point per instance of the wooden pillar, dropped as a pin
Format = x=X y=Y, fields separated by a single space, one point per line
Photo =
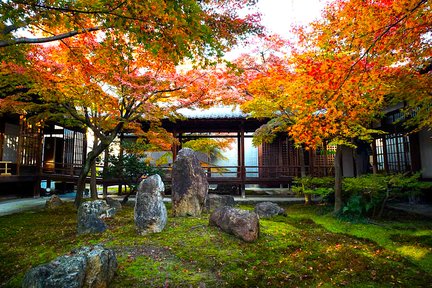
x=120 y=186
x=385 y=156
x=414 y=146
x=374 y=158
x=20 y=144
x=105 y=168
x=325 y=160
x=242 y=160
x=2 y=137
x=174 y=147
x=39 y=148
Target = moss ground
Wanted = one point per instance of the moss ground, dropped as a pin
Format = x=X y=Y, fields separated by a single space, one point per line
x=308 y=248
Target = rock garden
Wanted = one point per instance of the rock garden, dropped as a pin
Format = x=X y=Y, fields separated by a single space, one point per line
x=202 y=240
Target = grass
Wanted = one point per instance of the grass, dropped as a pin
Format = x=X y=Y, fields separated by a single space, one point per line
x=309 y=248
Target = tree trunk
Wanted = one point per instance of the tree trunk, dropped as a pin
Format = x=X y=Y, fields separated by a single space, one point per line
x=93 y=185
x=338 y=179
x=91 y=157
x=307 y=196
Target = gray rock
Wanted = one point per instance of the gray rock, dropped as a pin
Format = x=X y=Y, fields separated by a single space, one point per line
x=241 y=223
x=90 y=216
x=268 y=209
x=150 y=213
x=189 y=185
x=86 y=267
x=215 y=201
x=101 y=266
x=113 y=203
x=54 y=202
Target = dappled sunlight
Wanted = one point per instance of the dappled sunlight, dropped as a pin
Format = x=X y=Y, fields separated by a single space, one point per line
x=414 y=252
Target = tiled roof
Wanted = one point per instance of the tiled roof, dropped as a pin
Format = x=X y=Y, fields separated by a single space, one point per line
x=216 y=112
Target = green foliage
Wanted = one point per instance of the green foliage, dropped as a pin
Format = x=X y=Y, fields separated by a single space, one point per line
x=369 y=193
x=211 y=147
x=130 y=168
x=408 y=185
x=320 y=186
x=303 y=249
x=364 y=193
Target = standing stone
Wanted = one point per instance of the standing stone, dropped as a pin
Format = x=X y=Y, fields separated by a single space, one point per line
x=241 y=223
x=87 y=267
x=53 y=202
x=215 y=201
x=189 y=184
x=268 y=209
x=150 y=213
x=90 y=216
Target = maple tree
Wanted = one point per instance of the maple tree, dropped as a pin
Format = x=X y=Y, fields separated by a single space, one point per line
x=116 y=95
x=115 y=64
x=177 y=28
x=340 y=70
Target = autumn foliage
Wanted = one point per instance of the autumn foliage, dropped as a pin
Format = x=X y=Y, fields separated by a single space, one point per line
x=338 y=74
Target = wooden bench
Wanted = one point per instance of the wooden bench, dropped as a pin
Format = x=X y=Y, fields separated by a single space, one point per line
x=4 y=169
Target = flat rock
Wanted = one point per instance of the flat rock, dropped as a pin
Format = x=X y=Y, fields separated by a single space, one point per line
x=240 y=223
x=268 y=209
x=215 y=201
x=85 y=267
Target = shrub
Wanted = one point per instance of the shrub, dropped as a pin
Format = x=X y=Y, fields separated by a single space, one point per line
x=320 y=186
x=367 y=195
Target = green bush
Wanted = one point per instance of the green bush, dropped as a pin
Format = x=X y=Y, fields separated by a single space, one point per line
x=320 y=186
x=367 y=195
x=130 y=168
x=408 y=186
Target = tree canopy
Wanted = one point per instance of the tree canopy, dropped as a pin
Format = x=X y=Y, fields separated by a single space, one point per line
x=341 y=71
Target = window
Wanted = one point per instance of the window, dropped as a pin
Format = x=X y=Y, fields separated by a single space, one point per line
x=393 y=153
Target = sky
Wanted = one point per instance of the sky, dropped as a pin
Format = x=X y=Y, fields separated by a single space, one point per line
x=279 y=15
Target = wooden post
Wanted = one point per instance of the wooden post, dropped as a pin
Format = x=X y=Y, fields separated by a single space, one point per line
x=2 y=137
x=39 y=147
x=120 y=186
x=414 y=148
x=374 y=158
x=385 y=156
x=105 y=168
x=20 y=144
x=242 y=161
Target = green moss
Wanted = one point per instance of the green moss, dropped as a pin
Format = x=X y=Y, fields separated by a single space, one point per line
x=307 y=248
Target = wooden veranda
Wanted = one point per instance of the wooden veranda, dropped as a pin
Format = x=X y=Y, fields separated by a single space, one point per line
x=278 y=162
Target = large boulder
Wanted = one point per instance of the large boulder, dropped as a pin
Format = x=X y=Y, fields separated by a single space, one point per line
x=241 y=223
x=150 y=213
x=189 y=184
x=215 y=201
x=90 y=215
x=268 y=209
x=54 y=202
x=87 y=267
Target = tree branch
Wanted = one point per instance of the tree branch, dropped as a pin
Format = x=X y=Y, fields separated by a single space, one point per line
x=381 y=35
x=26 y=40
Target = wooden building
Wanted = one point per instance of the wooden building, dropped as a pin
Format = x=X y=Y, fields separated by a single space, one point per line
x=31 y=154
